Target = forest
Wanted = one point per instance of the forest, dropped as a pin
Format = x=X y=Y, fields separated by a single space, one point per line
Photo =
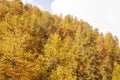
x=36 y=45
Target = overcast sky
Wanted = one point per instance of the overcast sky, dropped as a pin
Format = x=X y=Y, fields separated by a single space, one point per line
x=103 y=14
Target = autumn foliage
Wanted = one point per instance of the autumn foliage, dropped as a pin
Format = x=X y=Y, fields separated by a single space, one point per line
x=35 y=45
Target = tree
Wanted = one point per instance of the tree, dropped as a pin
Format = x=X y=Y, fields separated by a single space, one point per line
x=61 y=60
x=35 y=45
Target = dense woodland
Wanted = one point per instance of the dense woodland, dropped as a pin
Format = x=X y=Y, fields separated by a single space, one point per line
x=35 y=45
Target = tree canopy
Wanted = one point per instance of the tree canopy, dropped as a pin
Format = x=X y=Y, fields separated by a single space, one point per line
x=36 y=45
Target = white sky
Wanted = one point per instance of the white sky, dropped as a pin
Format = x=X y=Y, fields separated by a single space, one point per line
x=103 y=14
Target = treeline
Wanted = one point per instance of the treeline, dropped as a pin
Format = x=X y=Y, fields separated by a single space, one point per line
x=35 y=45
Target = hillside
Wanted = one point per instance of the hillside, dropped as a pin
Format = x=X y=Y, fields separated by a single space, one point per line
x=35 y=45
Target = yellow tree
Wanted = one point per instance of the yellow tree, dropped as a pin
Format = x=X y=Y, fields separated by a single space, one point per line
x=110 y=58
x=60 y=58
x=15 y=62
